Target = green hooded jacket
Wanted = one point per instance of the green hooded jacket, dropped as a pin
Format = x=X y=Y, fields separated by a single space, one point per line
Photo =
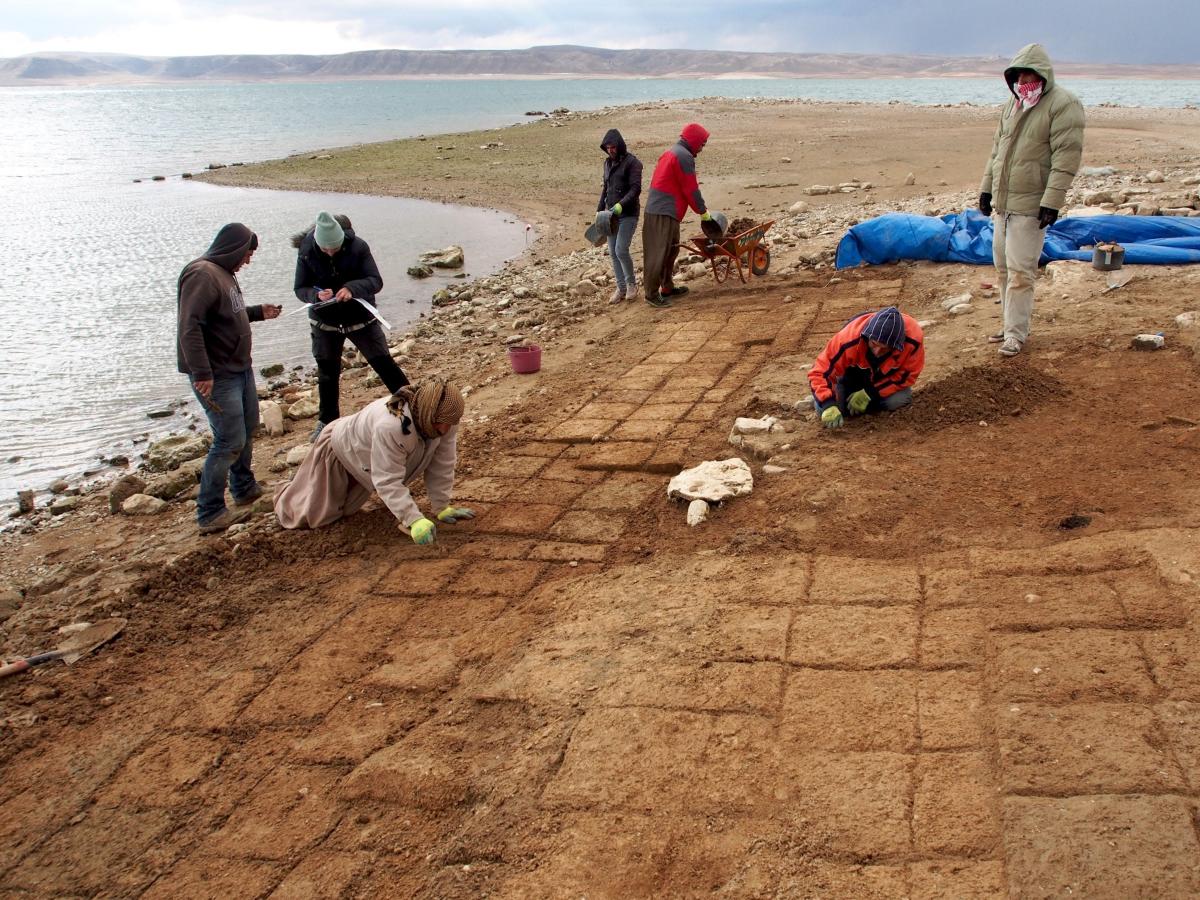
x=1036 y=152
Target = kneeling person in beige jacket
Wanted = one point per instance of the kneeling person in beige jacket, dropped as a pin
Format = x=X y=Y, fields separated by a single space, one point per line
x=381 y=449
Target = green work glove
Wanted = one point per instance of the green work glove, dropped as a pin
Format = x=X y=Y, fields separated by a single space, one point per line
x=706 y=216
x=423 y=531
x=832 y=417
x=858 y=402
x=616 y=210
x=452 y=514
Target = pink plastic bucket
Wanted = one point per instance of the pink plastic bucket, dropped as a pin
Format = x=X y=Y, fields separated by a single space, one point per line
x=525 y=360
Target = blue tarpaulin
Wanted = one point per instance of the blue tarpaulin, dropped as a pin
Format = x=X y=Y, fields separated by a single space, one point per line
x=966 y=237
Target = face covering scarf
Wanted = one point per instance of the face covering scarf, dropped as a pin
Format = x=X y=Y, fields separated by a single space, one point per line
x=1029 y=94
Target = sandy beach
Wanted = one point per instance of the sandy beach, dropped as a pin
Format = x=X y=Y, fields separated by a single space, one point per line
x=946 y=653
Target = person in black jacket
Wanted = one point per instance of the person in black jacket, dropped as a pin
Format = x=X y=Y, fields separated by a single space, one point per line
x=334 y=264
x=619 y=195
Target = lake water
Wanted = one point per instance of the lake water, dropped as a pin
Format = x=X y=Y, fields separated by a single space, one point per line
x=88 y=316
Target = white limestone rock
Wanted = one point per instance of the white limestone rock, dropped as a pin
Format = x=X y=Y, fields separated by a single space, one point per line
x=714 y=481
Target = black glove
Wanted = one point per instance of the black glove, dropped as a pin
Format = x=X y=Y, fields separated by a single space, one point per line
x=985 y=203
x=1046 y=216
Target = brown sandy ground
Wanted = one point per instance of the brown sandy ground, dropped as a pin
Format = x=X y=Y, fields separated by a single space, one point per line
x=889 y=672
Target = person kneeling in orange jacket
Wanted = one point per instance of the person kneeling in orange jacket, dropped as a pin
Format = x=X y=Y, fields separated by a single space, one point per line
x=868 y=366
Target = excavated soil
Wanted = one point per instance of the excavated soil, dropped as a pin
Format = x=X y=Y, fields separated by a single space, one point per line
x=888 y=672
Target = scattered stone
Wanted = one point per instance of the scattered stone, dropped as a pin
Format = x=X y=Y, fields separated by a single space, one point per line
x=697 y=512
x=304 y=408
x=173 y=451
x=420 y=271
x=584 y=288
x=1148 y=342
x=1154 y=177
x=756 y=426
x=160 y=413
x=64 y=505
x=960 y=309
x=1189 y=319
x=1147 y=209
x=143 y=505
x=122 y=489
x=447 y=258
x=25 y=502
x=272 y=371
x=212 y=166
x=59 y=486
x=950 y=302
x=714 y=481
x=773 y=470
x=910 y=179
x=785 y=159
x=270 y=414
x=818 y=189
x=171 y=484
x=798 y=207
x=298 y=454
x=1097 y=171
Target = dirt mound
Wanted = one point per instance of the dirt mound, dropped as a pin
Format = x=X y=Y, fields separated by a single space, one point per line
x=982 y=393
x=737 y=226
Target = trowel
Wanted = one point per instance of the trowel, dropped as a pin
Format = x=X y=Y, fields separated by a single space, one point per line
x=73 y=649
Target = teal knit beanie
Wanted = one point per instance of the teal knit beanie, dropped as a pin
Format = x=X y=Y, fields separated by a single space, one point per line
x=328 y=233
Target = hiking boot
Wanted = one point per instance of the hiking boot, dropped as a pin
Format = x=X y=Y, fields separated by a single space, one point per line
x=662 y=301
x=224 y=520
x=255 y=493
x=677 y=290
x=1010 y=347
x=617 y=295
x=997 y=338
x=631 y=291
x=317 y=432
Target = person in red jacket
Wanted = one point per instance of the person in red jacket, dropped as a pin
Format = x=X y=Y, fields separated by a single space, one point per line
x=868 y=366
x=673 y=188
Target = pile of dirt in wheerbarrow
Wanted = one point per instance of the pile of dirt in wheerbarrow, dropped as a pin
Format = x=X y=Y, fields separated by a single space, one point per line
x=981 y=393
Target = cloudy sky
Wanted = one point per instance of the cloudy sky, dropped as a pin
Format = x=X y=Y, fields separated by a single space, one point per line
x=1146 y=31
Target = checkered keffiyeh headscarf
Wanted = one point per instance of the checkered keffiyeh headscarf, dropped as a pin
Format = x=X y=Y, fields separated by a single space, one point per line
x=431 y=404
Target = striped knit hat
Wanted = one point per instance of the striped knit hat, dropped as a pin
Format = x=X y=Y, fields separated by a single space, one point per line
x=886 y=327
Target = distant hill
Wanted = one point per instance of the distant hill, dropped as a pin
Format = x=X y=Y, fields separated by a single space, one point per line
x=566 y=60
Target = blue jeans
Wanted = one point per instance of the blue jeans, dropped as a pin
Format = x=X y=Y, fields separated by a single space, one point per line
x=618 y=249
x=228 y=458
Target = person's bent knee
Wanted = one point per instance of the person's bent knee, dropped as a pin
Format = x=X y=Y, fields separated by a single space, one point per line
x=896 y=401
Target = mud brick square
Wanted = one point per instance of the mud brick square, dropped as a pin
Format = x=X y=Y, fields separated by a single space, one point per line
x=850 y=803
x=496 y=548
x=513 y=467
x=668 y=458
x=589 y=525
x=1105 y=846
x=952 y=638
x=661 y=412
x=850 y=580
x=1035 y=604
x=690 y=341
x=544 y=449
x=704 y=412
x=580 y=431
x=747 y=632
x=640 y=383
x=1071 y=665
x=416 y=664
x=355 y=730
x=453 y=615
x=734 y=687
x=563 y=551
x=955 y=811
x=544 y=490
x=719 y=394
x=954 y=587
x=1083 y=748
x=1175 y=658
x=568 y=470
x=622 y=491
x=671 y=357
x=677 y=396
x=696 y=383
x=211 y=878
x=324 y=875
x=507 y=577
x=1147 y=600
x=488 y=490
x=627 y=455
x=1181 y=719
x=217 y=704
x=641 y=370
x=722 y=346
x=642 y=431
x=414 y=577
x=161 y=772
x=850 y=710
x=686 y=431
x=956 y=879
x=606 y=409
x=521 y=518
x=951 y=709
x=855 y=637
x=666 y=760
x=290 y=810
x=637 y=398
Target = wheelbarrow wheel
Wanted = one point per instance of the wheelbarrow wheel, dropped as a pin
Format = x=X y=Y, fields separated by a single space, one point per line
x=760 y=260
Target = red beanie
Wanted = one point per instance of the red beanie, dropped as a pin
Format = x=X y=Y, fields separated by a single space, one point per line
x=696 y=136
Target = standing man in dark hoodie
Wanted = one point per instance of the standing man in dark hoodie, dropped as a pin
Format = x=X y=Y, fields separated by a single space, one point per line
x=213 y=346
x=619 y=195
x=333 y=263
x=673 y=188
x=1035 y=155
